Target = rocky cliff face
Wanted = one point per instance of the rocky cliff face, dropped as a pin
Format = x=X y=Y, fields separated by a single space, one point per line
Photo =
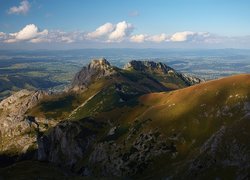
x=71 y=143
x=149 y=66
x=67 y=142
x=158 y=68
x=166 y=75
x=14 y=128
x=95 y=70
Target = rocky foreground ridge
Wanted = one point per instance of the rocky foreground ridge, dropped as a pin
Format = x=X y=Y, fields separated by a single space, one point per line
x=14 y=127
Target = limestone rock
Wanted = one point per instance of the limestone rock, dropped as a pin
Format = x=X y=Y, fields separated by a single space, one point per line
x=95 y=70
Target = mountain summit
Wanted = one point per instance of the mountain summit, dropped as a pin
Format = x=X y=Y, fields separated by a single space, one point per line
x=162 y=73
x=95 y=70
x=148 y=66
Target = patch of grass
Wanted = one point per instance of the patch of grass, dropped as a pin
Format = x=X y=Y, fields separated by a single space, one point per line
x=132 y=75
x=56 y=107
x=103 y=101
x=63 y=103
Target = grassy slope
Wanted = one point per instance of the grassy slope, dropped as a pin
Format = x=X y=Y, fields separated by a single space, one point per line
x=193 y=113
x=60 y=106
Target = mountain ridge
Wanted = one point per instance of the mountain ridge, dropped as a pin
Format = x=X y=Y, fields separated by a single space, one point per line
x=99 y=68
x=129 y=122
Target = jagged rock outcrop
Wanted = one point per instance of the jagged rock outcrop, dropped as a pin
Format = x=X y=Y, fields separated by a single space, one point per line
x=149 y=66
x=14 y=128
x=130 y=157
x=225 y=148
x=95 y=70
x=191 y=80
x=158 y=68
x=68 y=142
x=155 y=72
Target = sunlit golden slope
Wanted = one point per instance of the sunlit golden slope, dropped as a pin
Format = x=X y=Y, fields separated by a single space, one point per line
x=200 y=120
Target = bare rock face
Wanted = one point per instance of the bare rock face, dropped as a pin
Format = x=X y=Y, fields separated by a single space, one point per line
x=191 y=80
x=68 y=141
x=71 y=142
x=225 y=148
x=13 y=127
x=95 y=70
x=159 y=68
x=149 y=66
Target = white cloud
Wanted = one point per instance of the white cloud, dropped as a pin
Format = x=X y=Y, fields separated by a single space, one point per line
x=158 y=38
x=23 y=8
x=103 y=30
x=138 y=38
x=189 y=36
x=186 y=36
x=111 y=32
x=39 y=40
x=29 y=32
x=122 y=30
x=3 y=36
x=65 y=37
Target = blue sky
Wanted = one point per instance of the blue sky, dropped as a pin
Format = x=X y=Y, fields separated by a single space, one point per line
x=130 y=23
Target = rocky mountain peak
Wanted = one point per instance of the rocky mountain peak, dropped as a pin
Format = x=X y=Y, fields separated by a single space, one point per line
x=159 y=68
x=96 y=69
x=148 y=66
x=101 y=63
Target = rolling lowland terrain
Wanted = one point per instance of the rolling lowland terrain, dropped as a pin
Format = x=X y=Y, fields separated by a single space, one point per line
x=144 y=121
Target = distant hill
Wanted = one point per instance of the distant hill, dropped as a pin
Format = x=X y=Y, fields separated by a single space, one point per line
x=11 y=84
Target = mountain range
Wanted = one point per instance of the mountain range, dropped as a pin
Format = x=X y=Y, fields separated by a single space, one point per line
x=143 y=121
